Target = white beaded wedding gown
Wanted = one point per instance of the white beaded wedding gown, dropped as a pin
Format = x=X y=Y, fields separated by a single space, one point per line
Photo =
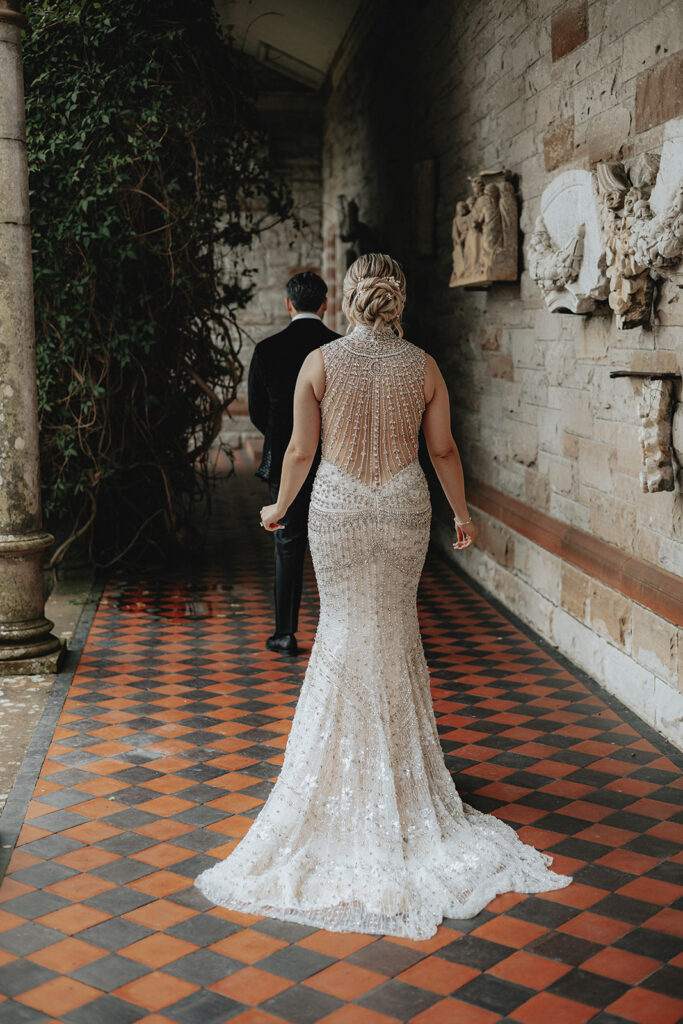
x=364 y=830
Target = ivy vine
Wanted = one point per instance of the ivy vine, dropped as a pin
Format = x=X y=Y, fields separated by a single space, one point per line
x=148 y=182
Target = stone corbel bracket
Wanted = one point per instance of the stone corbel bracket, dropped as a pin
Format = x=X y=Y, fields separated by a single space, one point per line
x=566 y=252
x=654 y=403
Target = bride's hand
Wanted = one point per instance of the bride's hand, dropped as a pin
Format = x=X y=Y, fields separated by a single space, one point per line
x=270 y=518
x=465 y=536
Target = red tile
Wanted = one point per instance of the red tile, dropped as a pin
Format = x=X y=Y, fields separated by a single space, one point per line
x=647 y=1007
x=437 y=975
x=251 y=986
x=337 y=944
x=73 y=919
x=620 y=965
x=68 y=955
x=509 y=931
x=595 y=928
x=527 y=969
x=545 y=1008
x=248 y=946
x=155 y=990
x=59 y=996
x=158 y=950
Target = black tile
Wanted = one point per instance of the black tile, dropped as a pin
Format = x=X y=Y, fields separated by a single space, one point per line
x=17 y=1013
x=51 y=846
x=124 y=843
x=40 y=875
x=124 y=870
x=110 y=972
x=199 y=816
x=651 y=846
x=27 y=938
x=105 y=1010
x=301 y=1004
x=204 y=929
x=203 y=1008
x=132 y=818
x=288 y=931
x=395 y=998
x=587 y=987
x=568 y=949
x=580 y=849
x=668 y=980
x=657 y=945
x=204 y=967
x=540 y=911
x=494 y=994
x=35 y=904
x=199 y=839
x=623 y=908
x=119 y=901
x=20 y=975
x=385 y=957
x=114 y=934
x=64 y=798
x=472 y=951
x=295 y=963
x=602 y=877
x=58 y=821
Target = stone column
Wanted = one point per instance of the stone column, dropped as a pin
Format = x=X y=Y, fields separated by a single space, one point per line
x=26 y=645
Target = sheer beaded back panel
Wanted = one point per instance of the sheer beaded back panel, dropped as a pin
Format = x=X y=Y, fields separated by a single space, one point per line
x=373 y=404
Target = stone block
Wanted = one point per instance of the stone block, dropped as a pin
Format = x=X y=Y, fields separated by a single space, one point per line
x=539 y=568
x=669 y=305
x=610 y=519
x=574 y=591
x=659 y=92
x=609 y=614
x=537 y=489
x=579 y=643
x=497 y=539
x=570 y=446
x=655 y=644
x=597 y=465
x=630 y=682
x=571 y=511
x=558 y=145
x=524 y=442
x=568 y=28
x=668 y=712
x=500 y=365
x=524 y=600
x=562 y=475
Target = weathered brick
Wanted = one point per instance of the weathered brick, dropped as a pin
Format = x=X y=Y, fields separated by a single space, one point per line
x=574 y=591
x=659 y=92
x=558 y=145
x=609 y=613
x=655 y=644
x=569 y=28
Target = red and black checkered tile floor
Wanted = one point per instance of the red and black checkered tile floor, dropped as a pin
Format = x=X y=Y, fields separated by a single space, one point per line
x=168 y=743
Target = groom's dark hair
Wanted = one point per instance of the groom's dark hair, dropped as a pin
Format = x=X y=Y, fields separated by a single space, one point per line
x=306 y=291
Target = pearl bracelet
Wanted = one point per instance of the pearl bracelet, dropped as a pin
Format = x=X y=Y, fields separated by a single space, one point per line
x=465 y=522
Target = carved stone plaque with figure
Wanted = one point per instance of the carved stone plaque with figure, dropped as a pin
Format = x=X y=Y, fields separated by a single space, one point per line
x=484 y=232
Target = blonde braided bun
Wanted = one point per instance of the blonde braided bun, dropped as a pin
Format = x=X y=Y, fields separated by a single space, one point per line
x=375 y=292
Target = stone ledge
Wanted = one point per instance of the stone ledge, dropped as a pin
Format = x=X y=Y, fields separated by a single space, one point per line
x=650 y=586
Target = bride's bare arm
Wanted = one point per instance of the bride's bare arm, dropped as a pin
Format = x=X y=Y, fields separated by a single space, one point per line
x=303 y=444
x=443 y=451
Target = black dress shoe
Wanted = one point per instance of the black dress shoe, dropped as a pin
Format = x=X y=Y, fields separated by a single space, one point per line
x=285 y=643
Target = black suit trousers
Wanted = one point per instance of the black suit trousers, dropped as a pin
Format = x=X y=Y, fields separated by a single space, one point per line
x=290 y=550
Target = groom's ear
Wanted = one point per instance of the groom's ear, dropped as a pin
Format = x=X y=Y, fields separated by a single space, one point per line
x=290 y=307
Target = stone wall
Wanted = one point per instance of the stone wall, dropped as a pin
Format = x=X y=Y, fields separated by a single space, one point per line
x=538 y=87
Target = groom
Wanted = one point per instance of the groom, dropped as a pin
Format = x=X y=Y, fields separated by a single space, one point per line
x=274 y=368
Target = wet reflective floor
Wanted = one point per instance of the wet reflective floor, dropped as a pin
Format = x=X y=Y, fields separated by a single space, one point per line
x=168 y=742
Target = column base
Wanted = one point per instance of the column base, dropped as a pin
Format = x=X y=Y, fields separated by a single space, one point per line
x=47 y=664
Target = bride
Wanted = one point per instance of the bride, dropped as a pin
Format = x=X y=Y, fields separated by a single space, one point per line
x=364 y=830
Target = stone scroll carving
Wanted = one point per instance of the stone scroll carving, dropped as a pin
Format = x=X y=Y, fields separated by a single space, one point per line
x=565 y=253
x=484 y=232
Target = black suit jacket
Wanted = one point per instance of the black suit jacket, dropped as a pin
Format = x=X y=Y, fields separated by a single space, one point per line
x=274 y=369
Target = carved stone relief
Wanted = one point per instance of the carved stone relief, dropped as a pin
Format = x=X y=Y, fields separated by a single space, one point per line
x=566 y=252
x=359 y=237
x=630 y=286
x=654 y=399
x=484 y=232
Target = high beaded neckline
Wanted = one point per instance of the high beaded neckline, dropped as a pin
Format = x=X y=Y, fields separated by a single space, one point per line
x=377 y=341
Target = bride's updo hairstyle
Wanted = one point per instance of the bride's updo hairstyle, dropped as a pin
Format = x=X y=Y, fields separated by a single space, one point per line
x=375 y=292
